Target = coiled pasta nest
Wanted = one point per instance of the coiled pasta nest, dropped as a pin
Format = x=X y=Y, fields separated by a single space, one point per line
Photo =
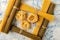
x=25 y=25
x=21 y=15
x=32 y=18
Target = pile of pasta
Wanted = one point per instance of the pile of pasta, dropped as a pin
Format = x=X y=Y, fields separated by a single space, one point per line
x=26 y=19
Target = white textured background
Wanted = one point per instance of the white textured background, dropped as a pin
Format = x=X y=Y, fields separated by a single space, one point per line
x=53 y=31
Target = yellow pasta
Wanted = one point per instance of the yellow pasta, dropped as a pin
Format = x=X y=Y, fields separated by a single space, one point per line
x=25 y=25
x=45 y=7
x=28 y=8
x=21 y=15
x=32 y=18
x=49 y=17
x=7 y=13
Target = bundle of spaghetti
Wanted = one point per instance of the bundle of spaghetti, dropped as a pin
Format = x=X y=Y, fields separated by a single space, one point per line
x=45 y=22
x=7 y=13
x=12 y=15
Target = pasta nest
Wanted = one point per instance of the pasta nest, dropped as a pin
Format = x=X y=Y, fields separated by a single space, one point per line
x=32 y=18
